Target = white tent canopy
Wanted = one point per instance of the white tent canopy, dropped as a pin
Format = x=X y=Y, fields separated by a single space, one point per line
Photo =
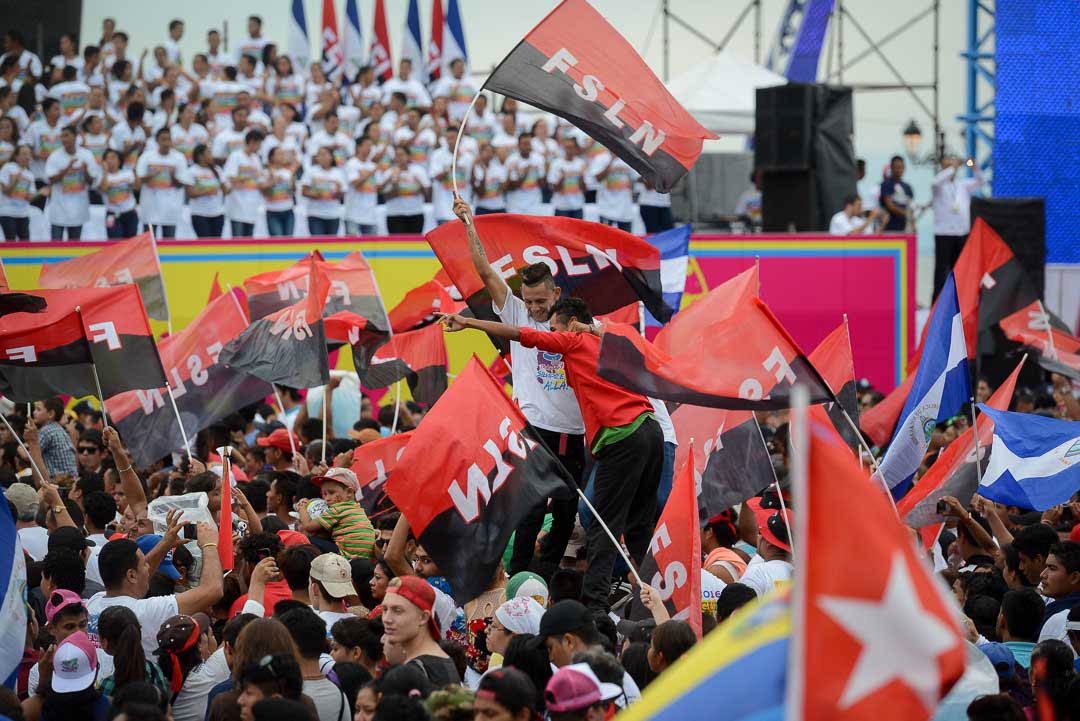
x=720 y=92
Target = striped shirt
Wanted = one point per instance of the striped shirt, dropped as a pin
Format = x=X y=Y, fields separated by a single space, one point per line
x=350 y=528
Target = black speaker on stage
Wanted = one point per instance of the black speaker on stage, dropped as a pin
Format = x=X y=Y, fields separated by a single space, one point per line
x=1021 y=223
x=792 y=201
x=784 y=127
x=803 y=145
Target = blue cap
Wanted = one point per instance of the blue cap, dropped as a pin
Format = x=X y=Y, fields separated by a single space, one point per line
x=146 y=543
x=1001 y=657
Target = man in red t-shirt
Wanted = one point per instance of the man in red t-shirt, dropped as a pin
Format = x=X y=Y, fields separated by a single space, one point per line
x=622 y=435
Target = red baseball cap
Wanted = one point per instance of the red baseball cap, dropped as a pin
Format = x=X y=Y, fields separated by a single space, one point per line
x=292 y=538
x=775 y=526
x=279 y=439
x=419 y=593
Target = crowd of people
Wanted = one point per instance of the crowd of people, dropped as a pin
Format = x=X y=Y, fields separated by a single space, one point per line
x=248 y=135
x=328 y=613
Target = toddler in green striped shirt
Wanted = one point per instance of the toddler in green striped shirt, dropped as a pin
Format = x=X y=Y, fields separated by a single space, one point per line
x=344 y=518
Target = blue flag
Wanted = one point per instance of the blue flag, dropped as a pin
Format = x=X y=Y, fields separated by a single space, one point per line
x=942 y=386
x=744 y=662
x=1034 y=461
x=454 y=37
x=13 y=600
x=674 y=246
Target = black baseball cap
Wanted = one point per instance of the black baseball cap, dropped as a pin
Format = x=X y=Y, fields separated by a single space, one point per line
x=635 y=631
x=69 y=537
x=564 y=617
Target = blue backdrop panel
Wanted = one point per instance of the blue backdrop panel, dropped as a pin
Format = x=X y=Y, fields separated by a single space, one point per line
x=1037 y=131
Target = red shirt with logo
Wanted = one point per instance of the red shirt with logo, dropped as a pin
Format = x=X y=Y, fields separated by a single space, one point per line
x=603 y=404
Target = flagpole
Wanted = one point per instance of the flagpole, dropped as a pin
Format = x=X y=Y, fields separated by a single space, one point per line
x=457 y=142
x=277 y=395
x=101 y=396
x=1049 y=330
x=97 y=380
x=776 y=481
x=397 y=405
x=799 y=455
x=324 y=404
x=975 y=433
x=757 y=272
x=23 y=446
x=618 y=546
x=236 y=302
x=164 y=289
x=176 y=411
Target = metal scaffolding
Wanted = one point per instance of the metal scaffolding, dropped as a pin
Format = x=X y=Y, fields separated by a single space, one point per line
x=981 y=83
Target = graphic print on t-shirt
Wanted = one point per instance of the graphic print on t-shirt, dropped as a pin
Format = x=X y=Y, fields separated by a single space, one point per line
x=408 y=185
x=550 y=370
x=21 y=189
x=617 y=180
x=118 y=193
x=74 y=182
x=531 y=179
x=160 y=176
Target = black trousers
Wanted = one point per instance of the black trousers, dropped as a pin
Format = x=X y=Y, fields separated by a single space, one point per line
x=571 y=452
x=74 y=232
x=15 y=228
x=404 y=224
x=657 y=218
x=161 y=231
x=623 y=226
x=627 y=477
x=946 y=252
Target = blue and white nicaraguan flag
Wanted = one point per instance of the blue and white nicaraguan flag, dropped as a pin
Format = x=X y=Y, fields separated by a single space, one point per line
x=942 y=386
x=454 y=37
x=411 y=45
x=1034 y=461
x=13 y=604
x=674 y=248
x=299 y=45
x=354 y=40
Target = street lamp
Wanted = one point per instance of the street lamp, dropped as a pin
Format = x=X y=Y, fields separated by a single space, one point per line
x=912 y=139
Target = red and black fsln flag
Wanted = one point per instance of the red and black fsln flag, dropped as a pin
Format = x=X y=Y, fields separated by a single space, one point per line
x=471 y=473
x=832 y=358
x=50 y=351
x=418 y=356
x=205 y=390
x=289 y=345
x=604 y=266
x=373 y=463
x=577 y=66
x=733 y=462
x=745 y=361
x=128 y=261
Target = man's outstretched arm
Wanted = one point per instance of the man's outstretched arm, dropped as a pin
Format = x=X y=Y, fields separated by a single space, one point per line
x=496 y=286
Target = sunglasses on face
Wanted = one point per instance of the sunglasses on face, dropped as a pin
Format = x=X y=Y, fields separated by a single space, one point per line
x=86 y=450
x=381 y=542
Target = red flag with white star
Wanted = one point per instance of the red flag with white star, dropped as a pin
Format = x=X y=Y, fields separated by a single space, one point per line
x=876 y=634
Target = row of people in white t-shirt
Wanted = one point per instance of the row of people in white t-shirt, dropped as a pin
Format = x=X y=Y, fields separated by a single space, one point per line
x=345 y=182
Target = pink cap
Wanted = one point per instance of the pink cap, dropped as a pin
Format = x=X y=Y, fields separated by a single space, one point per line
x=576 y=687
x=74 y=664
x=59 y=600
